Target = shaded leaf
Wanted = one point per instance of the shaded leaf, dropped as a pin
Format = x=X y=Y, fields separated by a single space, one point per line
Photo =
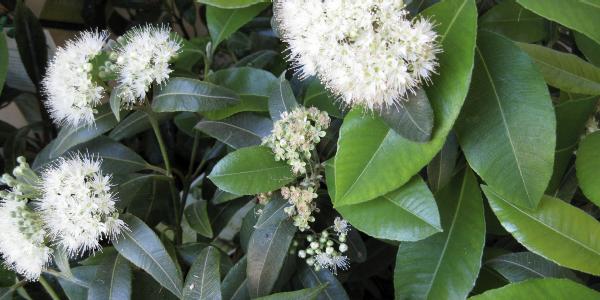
x=198 y=219
x=305 y=294
x=515 y=22
x=588 y=166
x=31 y=42
x=540 y=289
x=224 y=22
x=311 y=279
x=143 y=248
x=112 y=280
x=203 y=280
x=441 y=168
x=234 y=283
x=526 y=265
x=413 y=119
x=282 y=99
x=238 y=131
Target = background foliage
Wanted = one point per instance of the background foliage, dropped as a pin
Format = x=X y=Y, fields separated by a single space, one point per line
x=496 y=199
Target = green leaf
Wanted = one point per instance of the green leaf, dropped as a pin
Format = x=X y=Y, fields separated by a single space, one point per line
x=234 y=283
x=555 y=230
x=186 y=94
x=406 y=214
x=565 y=71
x=259 y=59
x=317 y=95
x=309 y=278
x=580 y=15
x=250 y=171
x=282 y=99
x=500 y=130
x=31 y=42
x=232 y=3
x=305 y=294
x=116 y=157
x=571 y=118
x=372 y=160
x=588 y=165
x=198 y=219
x=143 y=248
x=525 y=265
x=135 y=123
x=69 y=137
x=268 y=248
x=540 y=289
x=224 y=22
x=76 y=285
x=413 y=119
x=513 y=21
x=3 y=60
x=441 y=168
x=112 y=281
x=203 y=280
x=590 y=49
x=253 y=85
x=445 y=265
x=240 y=130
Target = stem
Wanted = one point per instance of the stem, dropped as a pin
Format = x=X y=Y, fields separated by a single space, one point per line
x=193 y=155
x=169 y=173
x=49 y=289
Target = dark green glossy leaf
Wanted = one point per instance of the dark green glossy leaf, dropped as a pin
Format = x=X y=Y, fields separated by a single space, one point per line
x=112 y=280
x=515 y=22
x=135 y=123
x=267 y=249
x=540 y=289
x=525 y=265
x=203 y=280
x=372 y=160
x=116 y=157
x=407 y=214
x=231 y=3
x=250 y=171
x=311 y=278
x=413 y=119
x=3 y=60
x=282 y=99
x=565 y=71
x=31 y=42
x=580 y=15
x=445 y=265
x=553 y=223
x=143 y=248
x=186 y=94
x=318 y=96
x=238 y=131
x=234 y=283
x=441 y=168
x=224 y=22
x=501 y=129
x=571 y=118
x=259 y=59
x=305 y=294
x=76 y=285
x=198 y=219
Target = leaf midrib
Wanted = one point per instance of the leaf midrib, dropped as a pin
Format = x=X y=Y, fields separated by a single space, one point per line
x=410 y=212
x=505 y=123
x=247 y=172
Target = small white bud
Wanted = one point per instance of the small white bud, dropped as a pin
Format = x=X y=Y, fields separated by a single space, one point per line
x=343 y=248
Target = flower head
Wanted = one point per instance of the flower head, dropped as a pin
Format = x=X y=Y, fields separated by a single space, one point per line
x=77 y=206
x=72 y=92
x=367 y=52
x=296 y=134
x=303 y=205
x=340 y=226
x=142 y=58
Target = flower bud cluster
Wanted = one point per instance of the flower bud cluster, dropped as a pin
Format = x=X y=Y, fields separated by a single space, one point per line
x=326 y=252
x=301 y=198
x=296 y=135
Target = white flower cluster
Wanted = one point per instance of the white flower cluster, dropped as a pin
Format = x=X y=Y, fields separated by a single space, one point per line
x=296 y=134
x=77 y=206
x=72 y=91
x=70 y=205
x=301 y=198
x=321 y=252
x=142 y=57
x=366 y=52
